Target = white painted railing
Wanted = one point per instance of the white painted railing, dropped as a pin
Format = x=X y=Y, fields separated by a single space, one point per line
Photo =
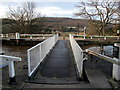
x=37 y=53
x=93 y=36
x=1 y=35
x=22 y=36
x=78 y=55
x=10 y=61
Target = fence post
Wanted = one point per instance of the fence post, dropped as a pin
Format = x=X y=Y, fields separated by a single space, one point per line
x=6 y=35
x=43 y=37
x=105 y=38
x=116 y=68
x=84 y=37
x=90 y=36
x=2 y=35
x=84 y=33
x=17 y=36
x=31 y=36
x=118 y=37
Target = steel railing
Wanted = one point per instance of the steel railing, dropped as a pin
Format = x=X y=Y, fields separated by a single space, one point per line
x=78 y=55
x=109 y=59
x=37 y=53
x=98 y=37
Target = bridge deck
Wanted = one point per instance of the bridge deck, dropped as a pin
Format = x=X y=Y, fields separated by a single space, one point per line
x=58 y=67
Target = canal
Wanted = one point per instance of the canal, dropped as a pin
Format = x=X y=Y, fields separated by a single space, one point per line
x=18 y=51
x=98 y=63
x=106 y=50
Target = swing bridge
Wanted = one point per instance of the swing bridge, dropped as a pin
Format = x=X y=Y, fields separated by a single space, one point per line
x=57 y=61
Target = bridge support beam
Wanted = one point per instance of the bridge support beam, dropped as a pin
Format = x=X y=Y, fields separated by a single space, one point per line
x=116 y=68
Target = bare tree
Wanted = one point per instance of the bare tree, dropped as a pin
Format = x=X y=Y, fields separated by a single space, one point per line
x=100 y=13
x=23 y=15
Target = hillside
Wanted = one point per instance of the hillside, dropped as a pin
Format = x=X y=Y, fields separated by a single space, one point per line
x=63 y=23
x=48 y=24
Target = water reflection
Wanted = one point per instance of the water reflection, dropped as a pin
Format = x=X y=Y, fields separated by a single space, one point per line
x=18 y=51
x=102 y=49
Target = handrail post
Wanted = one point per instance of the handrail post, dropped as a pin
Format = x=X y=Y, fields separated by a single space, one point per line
x=116 y=68
x=12 y=80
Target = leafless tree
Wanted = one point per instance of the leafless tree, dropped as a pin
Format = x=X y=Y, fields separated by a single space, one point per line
x=23 y=15
x=100 y=13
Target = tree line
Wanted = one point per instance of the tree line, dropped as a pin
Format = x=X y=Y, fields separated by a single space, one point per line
x=100 y=16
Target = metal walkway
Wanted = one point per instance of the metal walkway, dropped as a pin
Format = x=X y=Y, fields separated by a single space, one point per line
x=58 y=67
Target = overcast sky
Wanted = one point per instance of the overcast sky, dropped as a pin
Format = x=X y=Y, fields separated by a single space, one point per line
x=49 y=9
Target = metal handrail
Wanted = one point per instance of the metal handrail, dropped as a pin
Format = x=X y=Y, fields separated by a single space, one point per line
x=78 y=55
x=11 y=60
x=37 y=53
x=112 y=60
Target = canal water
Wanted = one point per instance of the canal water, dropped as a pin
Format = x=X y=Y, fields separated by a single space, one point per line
x=98 y=63
x=102 y=49
x=21 y=51
x=17 y=51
